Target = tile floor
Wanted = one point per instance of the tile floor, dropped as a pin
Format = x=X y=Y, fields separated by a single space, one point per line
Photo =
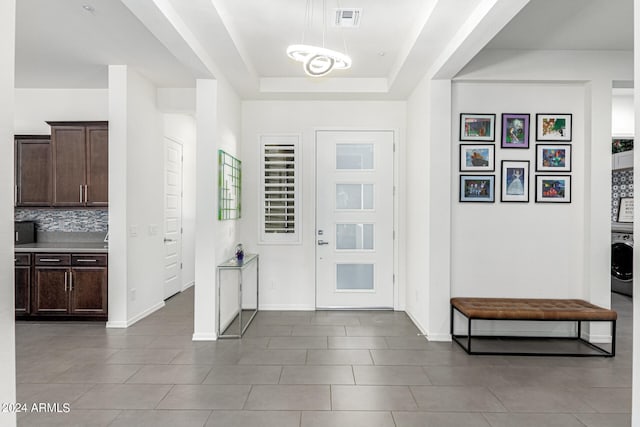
x=308 y=369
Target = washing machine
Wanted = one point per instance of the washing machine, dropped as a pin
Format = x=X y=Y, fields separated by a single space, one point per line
x=622 y=258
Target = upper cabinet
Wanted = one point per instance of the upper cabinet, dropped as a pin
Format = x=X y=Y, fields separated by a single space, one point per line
x=80 y=159
x=33 y=170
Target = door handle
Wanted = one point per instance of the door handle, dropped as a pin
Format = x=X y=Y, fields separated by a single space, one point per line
x=80 y=193
x=168 y=240
x=322 y=242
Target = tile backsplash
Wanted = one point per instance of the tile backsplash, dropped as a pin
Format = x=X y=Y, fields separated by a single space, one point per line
x=621 y=186
x=66 y=220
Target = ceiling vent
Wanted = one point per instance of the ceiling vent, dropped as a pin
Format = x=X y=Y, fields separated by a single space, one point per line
x=347 y=17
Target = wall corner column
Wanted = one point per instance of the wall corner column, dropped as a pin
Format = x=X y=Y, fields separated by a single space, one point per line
x=440 y=199
x=7 y=113
x=206 y=210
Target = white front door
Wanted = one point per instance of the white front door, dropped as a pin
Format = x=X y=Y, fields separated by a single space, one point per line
x=172 y=218
x=354 y=219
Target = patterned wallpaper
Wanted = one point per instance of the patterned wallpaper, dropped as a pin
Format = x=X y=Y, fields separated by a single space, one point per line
x=621 y=186
x=67 y=220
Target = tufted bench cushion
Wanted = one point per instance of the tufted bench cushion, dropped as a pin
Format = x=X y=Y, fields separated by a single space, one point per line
x=531 y=309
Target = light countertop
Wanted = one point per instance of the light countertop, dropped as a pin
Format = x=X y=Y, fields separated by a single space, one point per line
x=55 y=247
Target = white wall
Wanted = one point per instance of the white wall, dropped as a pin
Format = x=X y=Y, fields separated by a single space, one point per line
x=7 y=313
x=136 y=176
x=622 y=113
x=287 y=272
x=428 y=213
x=34 y=107
x=182 y=128
x=483 y=236
x=218 y=127
x=516 y=250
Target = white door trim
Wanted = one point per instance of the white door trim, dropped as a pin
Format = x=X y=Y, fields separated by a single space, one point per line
x=398 y=285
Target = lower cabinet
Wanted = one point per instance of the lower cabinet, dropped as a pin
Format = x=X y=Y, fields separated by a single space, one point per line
x=23 y=284
x=70 y=285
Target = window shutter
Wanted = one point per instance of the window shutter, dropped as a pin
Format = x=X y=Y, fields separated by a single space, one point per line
x=280 y=208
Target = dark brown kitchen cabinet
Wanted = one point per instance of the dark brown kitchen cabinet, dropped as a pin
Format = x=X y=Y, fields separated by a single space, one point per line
x=80 y=157
x=33 y=170
x=70 y=285
x=23 y=284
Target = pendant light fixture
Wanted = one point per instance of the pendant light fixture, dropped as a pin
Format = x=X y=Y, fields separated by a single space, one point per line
x=317 y=61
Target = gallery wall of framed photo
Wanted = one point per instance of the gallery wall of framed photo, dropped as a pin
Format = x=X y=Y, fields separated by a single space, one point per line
x=549 y=155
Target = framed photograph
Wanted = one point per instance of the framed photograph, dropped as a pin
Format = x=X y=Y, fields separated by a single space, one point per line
x=515 y=131
x=553 y=189
x=553 y=127
x=553 y=158
x=477 y=188
x=477 y=157
x=477 y=127
x=515 y=181
x=625 y=210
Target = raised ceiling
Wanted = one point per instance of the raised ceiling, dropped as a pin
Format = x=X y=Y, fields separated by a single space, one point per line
x=172 y=42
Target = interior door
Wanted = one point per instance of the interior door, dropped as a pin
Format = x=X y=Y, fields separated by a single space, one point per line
x=173 y=218
x=354 y=219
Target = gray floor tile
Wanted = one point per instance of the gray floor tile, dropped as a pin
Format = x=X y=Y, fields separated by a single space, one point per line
x=465 y=375
x=274 y=357
x=390 y=375
x=382 y=331
x=249 y=374
x=412 y=343
x=318 y=330
x=122 y=396
x=97 y=373
x=289 y=397
x=456 y=399
x=371 y=398
x=74 y=418
x=540 y=399
x=51 y=393
x=533 y=420
x=606 y=400
x=309 y=374
x=263 y=330
x=605 y=420
x=335 y=318
x=141 y=357
x=161 y=418
x=363 y=343
x=217 y=356
x=205 y=397
x=346 y=419
x=254 y=418
x=339 y=357
x=298 y=342
x=441 y=419
x=170 y=374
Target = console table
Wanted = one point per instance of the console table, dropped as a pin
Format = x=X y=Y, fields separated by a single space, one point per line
x=238 y=318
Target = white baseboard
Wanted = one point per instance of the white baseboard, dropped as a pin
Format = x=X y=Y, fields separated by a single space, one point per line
x=187 y=285
x=423 y=331
x=120 y=324
x=117 y=325
x=597 y=339
x=204 y=337
x=439 y=337
x=286 y=307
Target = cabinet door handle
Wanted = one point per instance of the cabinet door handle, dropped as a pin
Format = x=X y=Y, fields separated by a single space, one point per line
x=17 y=236
x=87 y=260
x=15 y=195
x=70 y=281
x=49 y=260
x=65 y=281
x=80 y=193
x=86 y=192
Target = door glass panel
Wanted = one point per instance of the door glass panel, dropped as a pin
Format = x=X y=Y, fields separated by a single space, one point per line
x=354 y=156
x=354 y=196
x=354 y=236
x=354 y=277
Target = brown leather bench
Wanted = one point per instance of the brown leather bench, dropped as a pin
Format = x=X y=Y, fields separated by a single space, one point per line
x=563 y=310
